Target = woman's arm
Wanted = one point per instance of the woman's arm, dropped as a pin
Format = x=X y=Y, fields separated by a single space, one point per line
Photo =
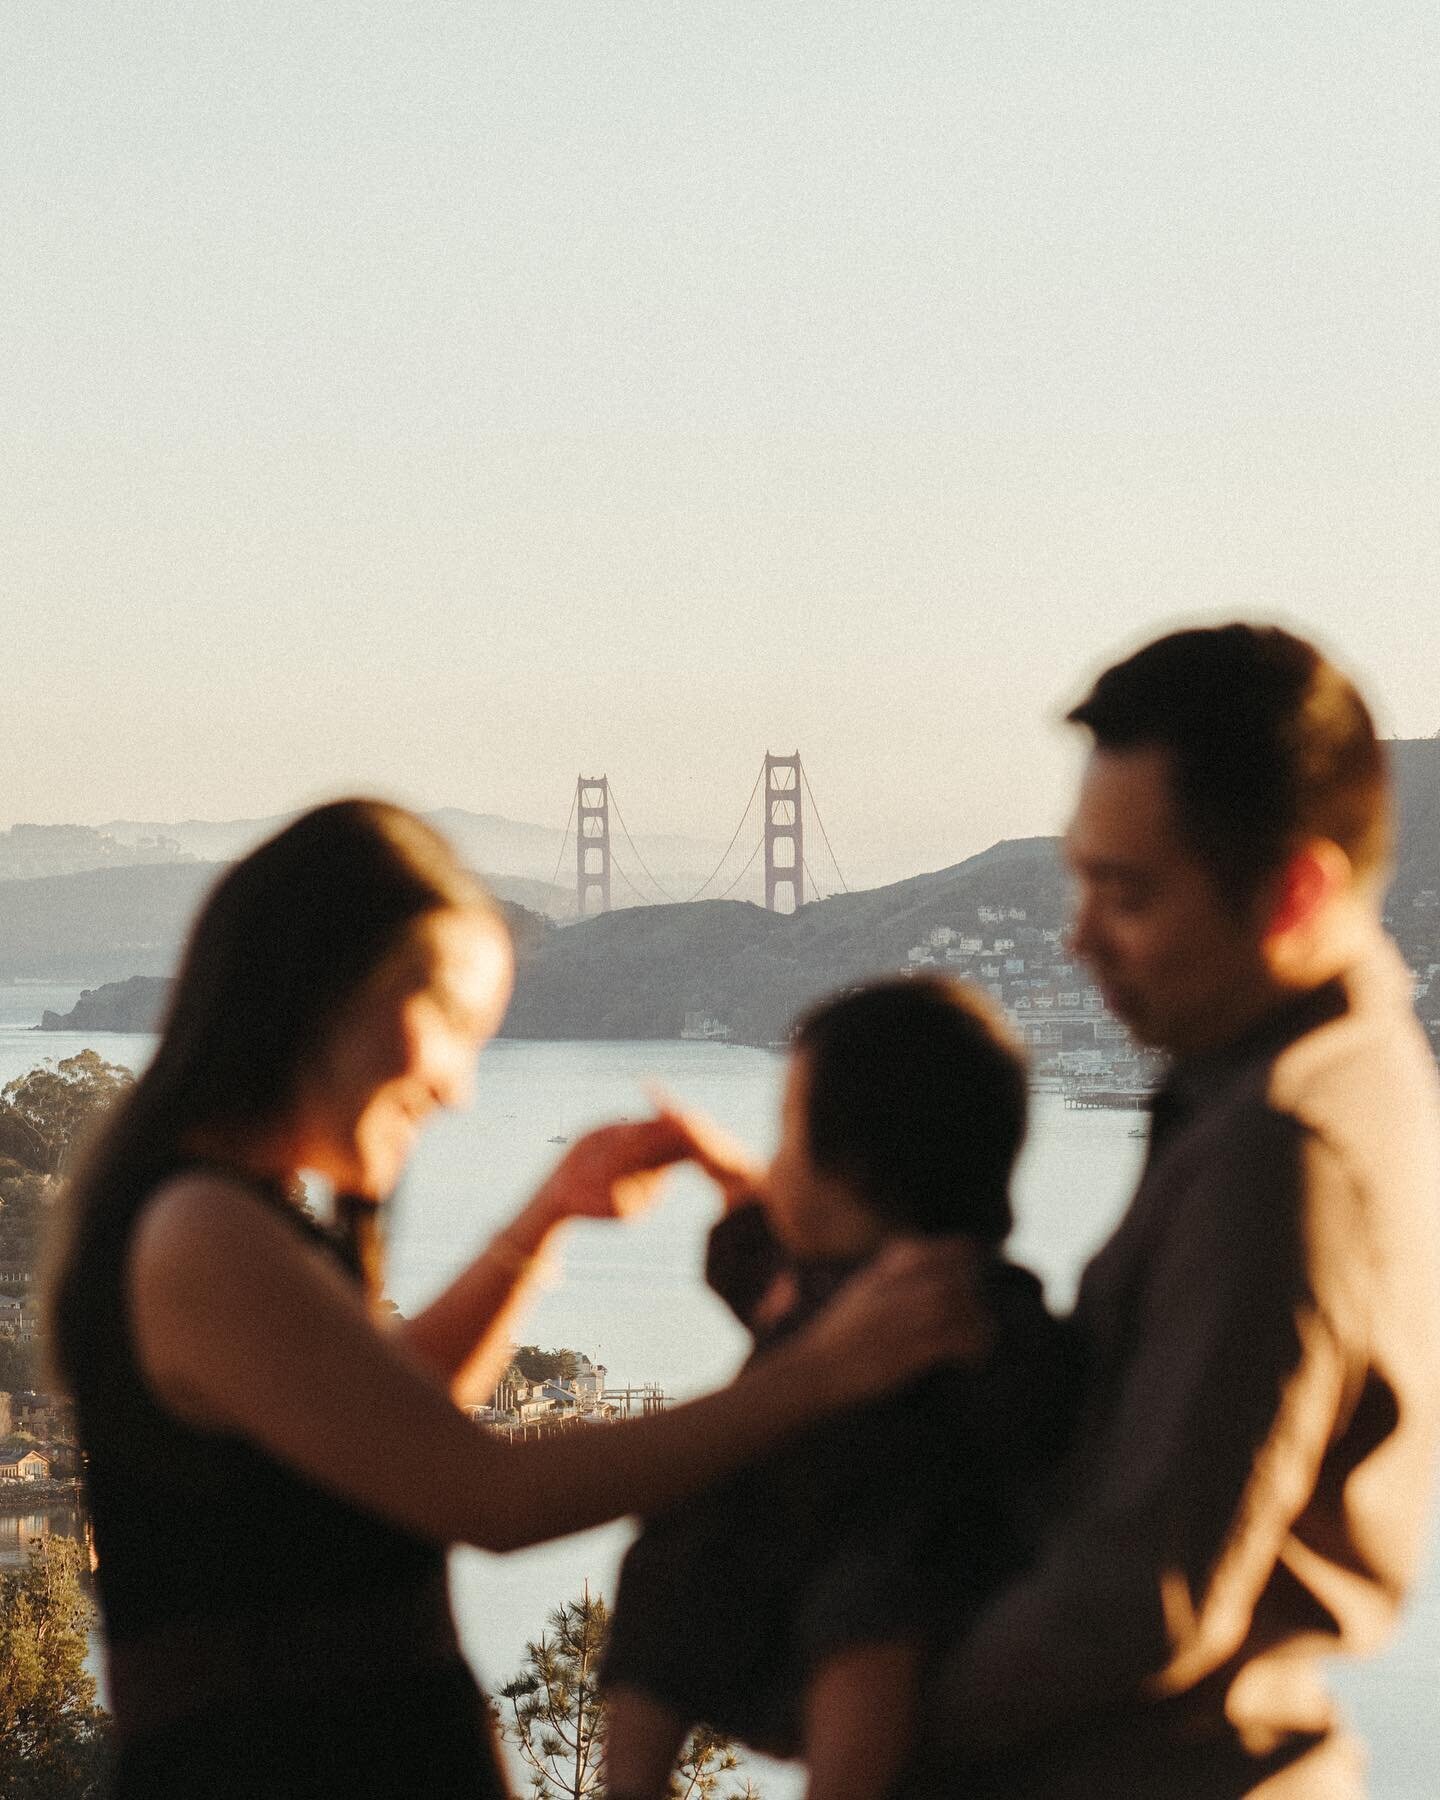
x=860 y=1722
x=464 y=1334
x=240 y=1326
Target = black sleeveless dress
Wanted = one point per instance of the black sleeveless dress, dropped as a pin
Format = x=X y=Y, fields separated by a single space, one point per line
x=263 y=1636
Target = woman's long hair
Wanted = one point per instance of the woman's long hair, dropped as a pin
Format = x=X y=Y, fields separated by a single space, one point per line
x=285 y=939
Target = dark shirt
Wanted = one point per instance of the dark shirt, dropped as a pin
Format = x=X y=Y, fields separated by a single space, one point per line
x=884 y=1523
x=234 y=1531
x=263 y=1634
x=1257 y=1438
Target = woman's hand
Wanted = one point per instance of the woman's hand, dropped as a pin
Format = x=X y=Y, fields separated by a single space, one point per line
x=464 y=1335
x=615 y=1171
x=727 y=1162
x=917 y=1304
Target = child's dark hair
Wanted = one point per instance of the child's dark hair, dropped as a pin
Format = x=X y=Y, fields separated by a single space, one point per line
x=917 y=1099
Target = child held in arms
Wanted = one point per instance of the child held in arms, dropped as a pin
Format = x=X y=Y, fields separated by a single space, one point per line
x=795 y=1605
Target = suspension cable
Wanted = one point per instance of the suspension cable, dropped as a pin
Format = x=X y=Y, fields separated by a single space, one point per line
x=814 y=884
x=636 y=848
x=619 y=870
x=731 y=845
x=735 y=838
x=821 y=823
x=743 y=873
x=565 y=835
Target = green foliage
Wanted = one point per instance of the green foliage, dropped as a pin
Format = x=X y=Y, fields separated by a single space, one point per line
x=52 y=1734
x=46 y=1114
x=556 y=1717
x=535 y=1364
x=45 y=1117
x=706 y=1757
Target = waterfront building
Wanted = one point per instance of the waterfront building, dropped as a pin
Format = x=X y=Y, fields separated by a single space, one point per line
x=21 y=1461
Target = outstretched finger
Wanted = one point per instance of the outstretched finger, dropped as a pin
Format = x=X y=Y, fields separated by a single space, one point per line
x=631 y=1195
x=721 y=1155
x=639 y=1144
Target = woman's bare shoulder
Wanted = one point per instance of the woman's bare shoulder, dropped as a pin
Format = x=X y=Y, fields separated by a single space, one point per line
x=207 y=1235
x=212 y=1265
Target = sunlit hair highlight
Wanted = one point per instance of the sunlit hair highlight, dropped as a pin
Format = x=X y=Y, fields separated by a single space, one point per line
x=1268 y=744
x=287 y=937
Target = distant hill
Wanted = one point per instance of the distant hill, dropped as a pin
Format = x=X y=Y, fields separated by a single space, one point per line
x=637 y=974
x=101 y=925
x=511 y=851
x=137 y=1003
x=208 y=840
x=104 y=925
x=1416 y=762
x=133 y=1005
x=29 y=851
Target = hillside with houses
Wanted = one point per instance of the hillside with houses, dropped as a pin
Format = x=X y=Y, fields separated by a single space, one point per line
x=730 y=971
x=726 y=970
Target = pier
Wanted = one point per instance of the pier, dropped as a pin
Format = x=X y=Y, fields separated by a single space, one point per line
x=1108 y=1099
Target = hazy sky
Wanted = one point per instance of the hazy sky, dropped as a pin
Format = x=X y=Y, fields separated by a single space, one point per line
x=447 y=397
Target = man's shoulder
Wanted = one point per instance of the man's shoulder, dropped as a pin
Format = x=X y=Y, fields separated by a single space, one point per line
x=1236 y=1135
x=1332 y=1134
x=1360 y=1082
x=1364 y=1087
x=1364 y=1083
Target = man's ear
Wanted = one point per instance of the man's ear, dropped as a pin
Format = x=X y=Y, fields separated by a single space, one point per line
x=1315 y=874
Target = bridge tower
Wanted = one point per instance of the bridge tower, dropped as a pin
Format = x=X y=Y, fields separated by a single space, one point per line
x=592 y=842
x=784 y=832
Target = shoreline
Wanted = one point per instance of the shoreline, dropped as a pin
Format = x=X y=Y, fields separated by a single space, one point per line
x=38 y=1496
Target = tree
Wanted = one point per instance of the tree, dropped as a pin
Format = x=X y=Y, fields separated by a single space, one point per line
x=535 y=1364
x=46 y=1114
x=706 y=1757
x=557 y=1717
x=45 y=1117
x=53 y=1737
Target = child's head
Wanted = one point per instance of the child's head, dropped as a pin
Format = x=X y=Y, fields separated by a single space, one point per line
x=904 y=1113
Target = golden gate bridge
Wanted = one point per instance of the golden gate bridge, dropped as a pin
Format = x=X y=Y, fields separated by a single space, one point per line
x=775 y=823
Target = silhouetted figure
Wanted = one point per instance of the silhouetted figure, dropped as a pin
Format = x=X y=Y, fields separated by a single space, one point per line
x=794 y=1604
x=1260 y=1418
x=274 y=1472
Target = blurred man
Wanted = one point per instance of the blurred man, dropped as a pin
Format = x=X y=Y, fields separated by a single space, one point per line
x=1262 y=1389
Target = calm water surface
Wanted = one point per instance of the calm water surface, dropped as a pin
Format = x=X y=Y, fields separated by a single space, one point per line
x=631 y=1297
x=19 y=1530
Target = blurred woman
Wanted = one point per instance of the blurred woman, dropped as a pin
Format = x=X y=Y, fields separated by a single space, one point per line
x=273 y=1475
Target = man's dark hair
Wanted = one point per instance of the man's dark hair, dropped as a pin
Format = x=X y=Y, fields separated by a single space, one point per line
x=1269 y=744
x=917 y=1099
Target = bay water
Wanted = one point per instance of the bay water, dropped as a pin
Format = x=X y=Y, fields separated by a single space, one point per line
x=631 y=1296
